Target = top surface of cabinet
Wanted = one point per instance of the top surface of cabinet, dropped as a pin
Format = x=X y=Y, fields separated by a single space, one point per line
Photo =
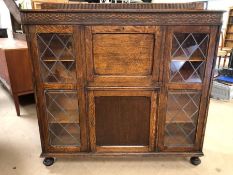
x=6 y=44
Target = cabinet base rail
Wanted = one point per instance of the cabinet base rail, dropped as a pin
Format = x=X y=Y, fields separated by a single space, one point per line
x=49 y=158
x=107 y=154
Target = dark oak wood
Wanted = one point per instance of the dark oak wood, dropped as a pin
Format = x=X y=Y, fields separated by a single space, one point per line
x=141 y=77
x=15 y=64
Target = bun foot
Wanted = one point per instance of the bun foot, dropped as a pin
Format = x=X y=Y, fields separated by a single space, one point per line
x=195 y=160
x=48 y=161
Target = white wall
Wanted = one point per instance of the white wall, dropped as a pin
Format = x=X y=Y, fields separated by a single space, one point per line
x=5 y=21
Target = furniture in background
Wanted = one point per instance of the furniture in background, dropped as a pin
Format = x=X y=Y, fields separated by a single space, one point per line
x=15 y=68
x=228 y=42
x=226 y=46
x=15 y=20
x=122 y=79
x=36 y=4
x=223 y=52
x=15 y=72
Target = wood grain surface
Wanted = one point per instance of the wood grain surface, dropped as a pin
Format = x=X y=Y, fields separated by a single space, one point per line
x=117 y=54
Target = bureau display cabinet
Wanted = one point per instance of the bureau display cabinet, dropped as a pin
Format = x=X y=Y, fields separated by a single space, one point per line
x=122 y=80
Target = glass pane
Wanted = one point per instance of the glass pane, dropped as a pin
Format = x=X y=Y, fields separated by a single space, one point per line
x=57 y=60
x=187 y=71
x=190 y=46
x=63 y=117
x=189 y=53
x=63 y=134
x=181 y=118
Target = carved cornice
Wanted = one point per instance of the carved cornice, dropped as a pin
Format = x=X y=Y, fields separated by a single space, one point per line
x=122 y=18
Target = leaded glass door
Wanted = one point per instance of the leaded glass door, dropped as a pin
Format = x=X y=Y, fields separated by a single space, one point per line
x=187 y=53
x=62 y=92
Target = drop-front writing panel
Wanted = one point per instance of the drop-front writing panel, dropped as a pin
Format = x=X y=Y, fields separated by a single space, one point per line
x=122 y=55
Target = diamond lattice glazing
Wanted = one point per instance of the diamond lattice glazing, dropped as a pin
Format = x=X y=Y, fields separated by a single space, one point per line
x=63 y=117
x=57 y=59
x=189 y=53
x=181 y=118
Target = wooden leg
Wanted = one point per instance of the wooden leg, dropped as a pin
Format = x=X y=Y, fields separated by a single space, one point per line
x=224 y=62
x=16 y=101
x=219 y=60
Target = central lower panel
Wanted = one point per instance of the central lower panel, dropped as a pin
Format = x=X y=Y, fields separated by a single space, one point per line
x=122 y=120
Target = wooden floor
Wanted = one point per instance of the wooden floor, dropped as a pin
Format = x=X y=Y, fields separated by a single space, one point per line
x=20 y=148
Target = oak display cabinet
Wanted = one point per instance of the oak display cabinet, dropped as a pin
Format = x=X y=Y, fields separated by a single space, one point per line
x=129 y=81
